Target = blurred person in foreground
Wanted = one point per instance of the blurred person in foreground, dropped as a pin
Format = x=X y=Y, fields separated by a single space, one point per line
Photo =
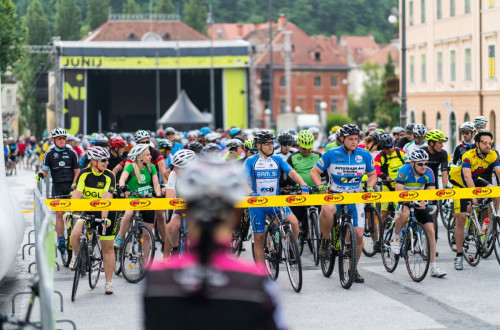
x=222 y=292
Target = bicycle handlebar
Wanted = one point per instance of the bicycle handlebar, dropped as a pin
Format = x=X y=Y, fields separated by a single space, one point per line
x=92 y=218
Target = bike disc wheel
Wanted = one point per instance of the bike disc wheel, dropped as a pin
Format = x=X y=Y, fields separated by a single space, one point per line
x=134 y=257
x=271 y=253
x=451 y=236
x=372 y=226
x=347 y=255
x=313 y=240
x=78 y=269
x=417 y=252
x=95 y=262
x=292 y=260
x=389 y=259
x=471 y=247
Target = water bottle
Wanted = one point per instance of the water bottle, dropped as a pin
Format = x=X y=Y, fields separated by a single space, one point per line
x=486 y=223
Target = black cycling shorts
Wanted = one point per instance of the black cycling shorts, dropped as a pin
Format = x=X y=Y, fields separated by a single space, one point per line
x=61 y=189
x=423 y=216
x=464 y=203
x=148 y=216
x=110 y=232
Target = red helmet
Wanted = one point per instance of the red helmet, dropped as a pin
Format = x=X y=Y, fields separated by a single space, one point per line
x=117 y=142
x=160 y=133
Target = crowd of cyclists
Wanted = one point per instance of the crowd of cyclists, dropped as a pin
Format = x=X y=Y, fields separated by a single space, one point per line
x=146 y=163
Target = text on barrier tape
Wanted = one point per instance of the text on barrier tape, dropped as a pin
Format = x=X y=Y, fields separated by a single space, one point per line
x=267 y=201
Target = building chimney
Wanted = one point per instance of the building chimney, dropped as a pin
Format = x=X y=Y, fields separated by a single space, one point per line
x=282 y=20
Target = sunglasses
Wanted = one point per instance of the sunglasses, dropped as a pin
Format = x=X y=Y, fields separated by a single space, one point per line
x=267 y=143
x=104 y=160
x=466 y=132
x=421 y=164
x=486 y=143
x=286 y=144
x=253 y=151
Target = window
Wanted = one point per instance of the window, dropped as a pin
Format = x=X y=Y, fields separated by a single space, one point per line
x=440 y=66
x=453 y=74
x=282 y=81
x=491 y=61
x=468 y=70
x=317 y=81
x=412 y=116
x=423 y=67
x=439 y=14
x=335 y=106
x=491 y=3
x=452 y=8
x=334 y=82
x=422 y=11
x=467 y=6
x=466 y=117
x=453 y=130
x=317 y=107
x=317 y=56
x=423 y=117
x=438 y=121
x=283 y=106
x=411 y=13
x=412 y=69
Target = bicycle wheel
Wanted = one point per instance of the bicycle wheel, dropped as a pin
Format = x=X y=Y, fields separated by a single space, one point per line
x=118 y=262
x=95 y=261
x=472 y=242
x=389 y=259
x=79 y=268
x=347 y=255
x=372 y=231
x=271 y=252
x=68 y=252
x=313 y=239
x=417 y=252
x=292 y=260
x=446 y=211
x=134 y=257
x=496 y=236
x=236 y=244
x=451 y=235
x=490 y=242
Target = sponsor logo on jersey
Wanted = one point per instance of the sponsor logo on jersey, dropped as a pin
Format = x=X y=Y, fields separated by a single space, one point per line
x=350 y=180
x=333 y=198
x=257 y=200
x=93 y=194
x=321 y=162
x=370 y=197
x=266 y=174
x=358 y=158
x=139 y=203
x=143 y=178
x=61 y=163
x=100 y=184
x=445 y=193
x=295 y=199
x=60 y=203
x=482 y=191
x=408 y=195
x=268 y=189
x=100 y=203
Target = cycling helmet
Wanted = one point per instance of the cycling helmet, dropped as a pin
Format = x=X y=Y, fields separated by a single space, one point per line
x=70 y=137
x=335 y=129
x=332 y=138
x=435 y=135
x=249 y=144
x=97 y=153
x=386 y=141
x=314 y=130
x=305 y=139
x=376 y=136
x=183 y=157
x=292 y=131
x=467 y=126
x=397 y=130
x=102 y=143
x=137 y=150
x=372 y=126
x=141 y=134
x=192 y=135
x=234 y=131
x=212 y=147
x=482 y=132
x=117 y=142
x=160 y=133
x=197 y=147
x=233 y=143
x=94 y=135
x=204 y=131
x=263 y=136
x=420 y=131
x=169 y=130
x=285 y=137
x=480 y=121
x=165 y=144
x=410 y=127
x=212 y=137
x=58 y=132
x=418 y=155
x=350 y=129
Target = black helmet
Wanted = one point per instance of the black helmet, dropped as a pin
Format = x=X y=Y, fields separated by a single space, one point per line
x=285 y=137
x=350 y=129
x=197 y=147
x=263 y=136
x=212 y=147
x=101 y=143
x=482 y=132
x=386 y=141
x=410 y=127
x=376 y=137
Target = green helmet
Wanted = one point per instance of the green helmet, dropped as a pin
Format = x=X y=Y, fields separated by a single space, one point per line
x=306 y=139
x=435 y=135
x=249 y=144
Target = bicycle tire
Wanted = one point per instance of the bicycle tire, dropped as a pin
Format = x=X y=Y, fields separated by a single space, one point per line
x=95 y=261
x=118 y=263
x=496 y=245
x=66 y=257
x=133 y=251
x=446 y=211
x=486 y=252
x=292 y=260
x=327 y=265
x=389 y=259
x=236 y=243
x=347 y=255
x=82 y=251
x=471 y=242
x=451 y=236
x=421 y=250
x=369 y=244
x=314 y=239
x=271 y=253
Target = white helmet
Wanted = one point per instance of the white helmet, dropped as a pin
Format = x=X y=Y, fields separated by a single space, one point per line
x=141 y=134
x=98 y=153
x=314 y=130
x=58 y=132
x=418 y=156
x=183 y=157
x=212 y=137
x=137 y=150
x=467 y=126
x=480 y=121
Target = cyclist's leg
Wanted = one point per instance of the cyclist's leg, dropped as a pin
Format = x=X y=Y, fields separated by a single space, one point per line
x=161 y=223
x=258 y=219
x=108 y=248
x=326 y=219
x=426 y=220
x=358 y=221
x=76 y=231
x=125 y=224
x=60 y=189
x=402 y=214
x=460 y=217
x=384 y=207
x=148 y=218
x=293 y=220
x=173 y=228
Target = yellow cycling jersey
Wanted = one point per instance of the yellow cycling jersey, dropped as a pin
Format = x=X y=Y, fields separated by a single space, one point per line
x=92 y=184
x=476 y=164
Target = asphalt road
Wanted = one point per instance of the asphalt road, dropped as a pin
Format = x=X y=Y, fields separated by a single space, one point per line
x=468 y=299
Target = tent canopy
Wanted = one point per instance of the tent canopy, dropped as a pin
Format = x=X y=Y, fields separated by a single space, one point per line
x=183 y=115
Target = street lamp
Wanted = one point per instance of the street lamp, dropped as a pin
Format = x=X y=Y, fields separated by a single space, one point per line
x=267 y=119
x=210 y=24
x=393 y=19
x=322 y=107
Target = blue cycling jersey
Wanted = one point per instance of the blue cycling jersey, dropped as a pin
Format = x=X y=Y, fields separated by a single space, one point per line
x=407 y=177
x=345 y=171
x=263 y=174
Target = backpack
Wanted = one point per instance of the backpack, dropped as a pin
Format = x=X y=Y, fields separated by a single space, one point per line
x=384 y=168
x=133 y=174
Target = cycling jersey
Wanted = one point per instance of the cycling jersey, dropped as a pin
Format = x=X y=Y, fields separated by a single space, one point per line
x=282 y=155
x=332 y=145
x=172 y=181
x=345 y=171
x=61 y=163
x=303 y=165
x=412 y=146
x=263 y=174
x=21 y=149
x=436 y=160
x=480 y=167
x=176 y=147
x=93 y=184
x=460 y=150
x=156 y=157
x=412 y=181
x=145 y=186
x=389 y=164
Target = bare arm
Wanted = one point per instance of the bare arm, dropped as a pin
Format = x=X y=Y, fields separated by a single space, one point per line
x=161 y=167
x=444 y=176
x=316 y=175
x=156 y=185
x=117 y=169
x=123 y=178
x=76 y=171
x=372 y=179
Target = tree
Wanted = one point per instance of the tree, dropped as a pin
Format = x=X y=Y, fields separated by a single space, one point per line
x=131 y=7
x=336 y=119
x=164 y=7
x=68 y=20
x=97 y=13
x=387 y=111
x=10 y=35
x=195 y=15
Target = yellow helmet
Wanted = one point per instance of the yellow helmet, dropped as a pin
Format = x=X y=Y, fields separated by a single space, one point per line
x=335 y=129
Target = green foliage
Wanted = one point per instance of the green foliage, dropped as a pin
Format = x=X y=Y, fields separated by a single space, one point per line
x=386 y=111
x=337 y=119
x=164 y=7
x=10 y=35
x=97 y=13
x=195 y=15
x=131 y=7
x=68 y=20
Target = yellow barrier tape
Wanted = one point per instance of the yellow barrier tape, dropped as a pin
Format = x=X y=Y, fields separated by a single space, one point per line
x=267 y=201
x=27 y=211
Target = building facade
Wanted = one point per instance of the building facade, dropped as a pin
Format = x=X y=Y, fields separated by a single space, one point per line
x=10 y=106
x=452 y=74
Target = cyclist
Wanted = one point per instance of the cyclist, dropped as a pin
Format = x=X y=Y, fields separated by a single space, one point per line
x=208 y=282
x=170 y=135
x=467 y=131
x=416 y=176
x=398 y=133
x=96 y=182
x=212 y=150
x=419 y=132
x=117 y=153
x=234 y=149
x=480 y=122
x=13 y=152
x=21 y=151
x=192 y=137
x=469 y=174
x=71 y=140
x=180 y=160
x=345 y=165
x=62 y=162
x=250 y=148
x=84 y=160
x=339 y=140
x=262 y=173
x=285 y=141
x=197 y=147
x=371 y=143
x=408 y=138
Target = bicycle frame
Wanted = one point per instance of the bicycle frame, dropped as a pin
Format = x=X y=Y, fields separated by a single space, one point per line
x=474 y=215
x=183 y=237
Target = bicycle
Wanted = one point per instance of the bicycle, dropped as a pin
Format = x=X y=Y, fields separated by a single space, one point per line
x=241 y=234
x=89 y=258
x=183 y=240
x=67 y=251
x=373 y=224
x=415 y=245
x=280 y=245
x=342 y=245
